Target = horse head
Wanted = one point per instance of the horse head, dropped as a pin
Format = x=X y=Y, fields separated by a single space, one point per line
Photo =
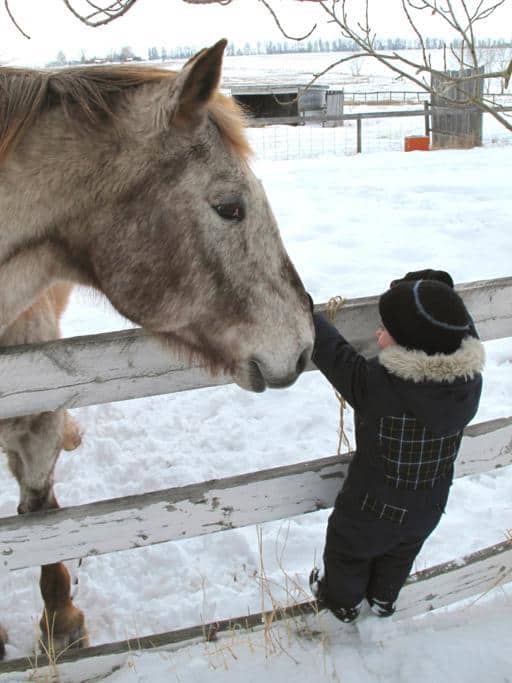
x=155 y=201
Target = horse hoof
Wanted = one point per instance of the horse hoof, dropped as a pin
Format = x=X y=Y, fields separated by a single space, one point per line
x=55 y=641
x=74 y=640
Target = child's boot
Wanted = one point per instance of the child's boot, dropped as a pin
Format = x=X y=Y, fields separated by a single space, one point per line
x=381 y=608
x=317 y=585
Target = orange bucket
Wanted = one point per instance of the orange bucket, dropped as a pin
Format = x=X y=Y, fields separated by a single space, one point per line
x=415 y=143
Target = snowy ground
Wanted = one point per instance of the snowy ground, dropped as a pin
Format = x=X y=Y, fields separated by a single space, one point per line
x=350 y=225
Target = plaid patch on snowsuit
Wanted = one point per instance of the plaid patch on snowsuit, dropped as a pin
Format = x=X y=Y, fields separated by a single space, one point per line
x=414 y=458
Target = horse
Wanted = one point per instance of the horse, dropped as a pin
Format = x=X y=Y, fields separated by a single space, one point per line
x=136 y=181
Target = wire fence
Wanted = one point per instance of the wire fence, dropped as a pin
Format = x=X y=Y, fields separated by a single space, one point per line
x=288 y=142
x=407 y=97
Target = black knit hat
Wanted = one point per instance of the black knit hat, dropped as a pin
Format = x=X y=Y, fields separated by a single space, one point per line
x=426 y=274
x=425 y=314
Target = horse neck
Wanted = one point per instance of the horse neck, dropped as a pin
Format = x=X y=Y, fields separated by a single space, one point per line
x=52 y=176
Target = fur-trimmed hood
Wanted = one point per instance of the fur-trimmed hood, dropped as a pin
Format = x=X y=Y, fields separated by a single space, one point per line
x=442 y=391
x=421 y=381
x=417 y=366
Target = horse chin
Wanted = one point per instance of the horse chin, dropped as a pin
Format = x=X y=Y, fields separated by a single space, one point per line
x=249 y=377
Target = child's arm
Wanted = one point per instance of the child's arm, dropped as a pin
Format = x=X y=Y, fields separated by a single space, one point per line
x=339 y=362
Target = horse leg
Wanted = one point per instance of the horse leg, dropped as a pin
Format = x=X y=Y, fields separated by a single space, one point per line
x=3 y=640
x=62 y=624
x=33 y=446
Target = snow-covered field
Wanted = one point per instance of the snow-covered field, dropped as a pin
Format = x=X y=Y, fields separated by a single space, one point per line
x=350 y=224
x=362 y=75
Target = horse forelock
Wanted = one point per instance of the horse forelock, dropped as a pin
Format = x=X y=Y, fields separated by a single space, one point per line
x=230 y=118
x=91 y=94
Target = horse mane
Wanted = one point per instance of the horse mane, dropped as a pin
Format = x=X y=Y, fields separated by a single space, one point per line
x=91 y=93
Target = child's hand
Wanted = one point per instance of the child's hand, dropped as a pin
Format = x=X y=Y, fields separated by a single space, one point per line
x=426 y=274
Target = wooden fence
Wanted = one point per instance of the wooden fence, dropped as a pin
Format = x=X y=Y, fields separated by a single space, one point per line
x=109 y=367
x=455 y=124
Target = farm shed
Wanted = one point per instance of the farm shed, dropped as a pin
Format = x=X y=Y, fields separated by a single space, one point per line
x=287 y=100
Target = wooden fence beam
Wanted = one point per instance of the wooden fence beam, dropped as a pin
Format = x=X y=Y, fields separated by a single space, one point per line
x=443 y=584
x=208 y=507
x=298 y=119
x=116 y=366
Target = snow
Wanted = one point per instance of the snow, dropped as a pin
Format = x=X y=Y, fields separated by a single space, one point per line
x=432 y=649
x=350 y=224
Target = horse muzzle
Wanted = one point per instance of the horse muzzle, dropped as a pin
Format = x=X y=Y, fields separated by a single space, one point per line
x=257 y=375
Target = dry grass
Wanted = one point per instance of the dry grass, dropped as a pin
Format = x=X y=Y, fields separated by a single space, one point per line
x=280 y=632
x=46 y=672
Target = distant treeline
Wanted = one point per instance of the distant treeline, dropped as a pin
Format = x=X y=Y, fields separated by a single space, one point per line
x=269 y=47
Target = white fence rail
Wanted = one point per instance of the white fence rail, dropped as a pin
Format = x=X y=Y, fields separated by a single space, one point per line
x=209 y=507
x=112 y=367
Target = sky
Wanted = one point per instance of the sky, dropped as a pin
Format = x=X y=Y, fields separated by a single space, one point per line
x=173 y=22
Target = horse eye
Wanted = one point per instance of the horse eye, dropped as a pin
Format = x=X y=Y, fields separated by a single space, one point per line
x=231 y=212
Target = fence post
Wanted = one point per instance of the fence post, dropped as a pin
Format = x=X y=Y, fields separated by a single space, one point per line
x=427 y=120
x=359 y=135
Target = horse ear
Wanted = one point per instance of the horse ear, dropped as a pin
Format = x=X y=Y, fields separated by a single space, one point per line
x=197 y=81
x=194 y=57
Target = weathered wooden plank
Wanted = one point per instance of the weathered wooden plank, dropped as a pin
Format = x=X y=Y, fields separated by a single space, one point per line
x=208 y=507
x=486 y=446
x=458 y=123
x=456 y=580
x=322 y=117
x=92 y=369
x=427 y=590
x=122 y=365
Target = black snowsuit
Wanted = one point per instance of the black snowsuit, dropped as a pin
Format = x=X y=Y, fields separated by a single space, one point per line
x=409 y=413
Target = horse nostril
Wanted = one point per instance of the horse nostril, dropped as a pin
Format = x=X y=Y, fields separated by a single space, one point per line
x=257 y=379
x=303 y=360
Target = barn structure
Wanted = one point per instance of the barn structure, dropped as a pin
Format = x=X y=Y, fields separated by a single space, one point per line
x=305 y=103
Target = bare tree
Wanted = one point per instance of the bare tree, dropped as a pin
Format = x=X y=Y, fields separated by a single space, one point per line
x=460 y=16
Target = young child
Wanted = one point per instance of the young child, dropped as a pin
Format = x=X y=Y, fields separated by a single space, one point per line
x=411 y=404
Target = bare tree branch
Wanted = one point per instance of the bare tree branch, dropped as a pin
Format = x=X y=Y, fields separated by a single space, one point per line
x=11 y=17
x=101 y=15
x=280 y=27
